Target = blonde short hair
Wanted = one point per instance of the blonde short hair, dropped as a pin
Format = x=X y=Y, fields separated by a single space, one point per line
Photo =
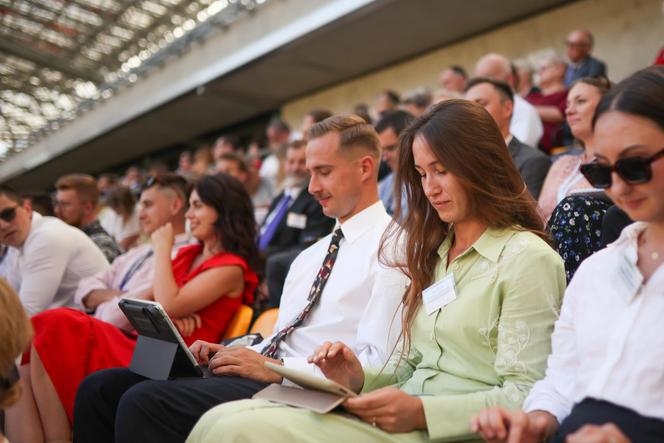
x=15 y=335
x=354 y=132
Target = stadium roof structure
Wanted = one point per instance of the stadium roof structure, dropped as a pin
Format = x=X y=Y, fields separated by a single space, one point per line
x=194 y=69
x=58 y=58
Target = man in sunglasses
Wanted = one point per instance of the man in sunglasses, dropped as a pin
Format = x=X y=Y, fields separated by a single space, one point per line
x=47 y=258
x=164 y=200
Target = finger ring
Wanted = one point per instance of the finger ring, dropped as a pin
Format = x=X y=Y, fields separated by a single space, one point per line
x=373 y=421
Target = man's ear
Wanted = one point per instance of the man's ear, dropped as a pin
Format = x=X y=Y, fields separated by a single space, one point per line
x=509 y=107
x=177 y=205
x=368 y=167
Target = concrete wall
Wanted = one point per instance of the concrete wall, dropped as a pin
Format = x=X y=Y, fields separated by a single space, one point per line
x=628 y=35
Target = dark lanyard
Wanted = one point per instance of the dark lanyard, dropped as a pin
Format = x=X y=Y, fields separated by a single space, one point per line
x=134 y=268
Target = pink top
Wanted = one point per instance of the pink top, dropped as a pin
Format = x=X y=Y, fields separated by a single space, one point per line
x=137 y=280
x=563 y=177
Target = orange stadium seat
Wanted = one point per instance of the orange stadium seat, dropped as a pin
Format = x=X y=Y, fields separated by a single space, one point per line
x=265 y=322
x=240 y=322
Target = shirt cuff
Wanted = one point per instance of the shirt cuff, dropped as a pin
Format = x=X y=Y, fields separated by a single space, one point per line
x=548 y=405
x=448 y=417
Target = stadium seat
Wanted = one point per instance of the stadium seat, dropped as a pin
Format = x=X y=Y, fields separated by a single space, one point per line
x=240 y=322
x=265 y=322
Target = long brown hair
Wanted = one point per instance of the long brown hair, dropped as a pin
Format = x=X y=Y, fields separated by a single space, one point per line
x=465 y=139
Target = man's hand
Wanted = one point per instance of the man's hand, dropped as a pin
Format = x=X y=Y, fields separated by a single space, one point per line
x=203 y=350
x=390 y=409
x=99 y=296
x=606 y=433
x=163 y=237
x=338 y=362
x=498 y=425
x=243 y=362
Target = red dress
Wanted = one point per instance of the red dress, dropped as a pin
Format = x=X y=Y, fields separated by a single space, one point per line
x=72 y=344
x=553 y=132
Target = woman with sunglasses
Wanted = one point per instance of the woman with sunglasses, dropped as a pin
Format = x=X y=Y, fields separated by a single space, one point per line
x=564 y=176
x=605 y=378
x=477 y=318
x=205 y=282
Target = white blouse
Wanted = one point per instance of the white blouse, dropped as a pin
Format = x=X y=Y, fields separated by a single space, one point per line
x=608 y=342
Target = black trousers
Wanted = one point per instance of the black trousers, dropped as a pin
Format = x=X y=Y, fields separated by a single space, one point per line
x=637 y=428
x=118 y=405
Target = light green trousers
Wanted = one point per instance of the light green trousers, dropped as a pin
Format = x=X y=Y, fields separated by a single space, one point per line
x=264 y=421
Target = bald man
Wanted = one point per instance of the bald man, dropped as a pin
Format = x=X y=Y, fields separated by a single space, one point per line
x=526 y=124
x=579 y=45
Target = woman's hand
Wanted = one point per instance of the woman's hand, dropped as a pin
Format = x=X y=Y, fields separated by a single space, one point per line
x=203 y=350
x=338 y=362
x=498 y=425
x=390 y=409
x=187 y=325
x=163 y=237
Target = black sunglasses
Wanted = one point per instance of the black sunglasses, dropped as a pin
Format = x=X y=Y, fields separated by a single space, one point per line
x=8 y=214
x=634 y=170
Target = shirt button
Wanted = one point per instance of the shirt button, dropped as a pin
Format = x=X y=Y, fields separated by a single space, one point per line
x=455 y=267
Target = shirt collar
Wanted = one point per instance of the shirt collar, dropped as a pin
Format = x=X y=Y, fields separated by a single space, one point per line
x=293 y=192
x=490 y=244
x=363 y=221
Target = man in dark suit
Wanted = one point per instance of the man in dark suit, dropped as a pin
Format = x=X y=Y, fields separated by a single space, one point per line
x=497 y=98
x=294 y=219
x=579 y=44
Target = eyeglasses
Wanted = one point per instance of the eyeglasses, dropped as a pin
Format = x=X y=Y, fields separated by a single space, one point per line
x=8 y=214
x=634 y=170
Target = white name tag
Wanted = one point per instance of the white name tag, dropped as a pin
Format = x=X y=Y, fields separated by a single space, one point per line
x=629 y=276
x=439 y=294
x=297 y=221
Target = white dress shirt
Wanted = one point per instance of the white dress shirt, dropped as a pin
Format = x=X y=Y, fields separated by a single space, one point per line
x=526 y=124
x=360 y=304
x=608 y=342
x=46 y=270
x=141 y=278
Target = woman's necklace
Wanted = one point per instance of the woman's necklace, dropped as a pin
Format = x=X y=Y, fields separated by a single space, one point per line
x=654 y=255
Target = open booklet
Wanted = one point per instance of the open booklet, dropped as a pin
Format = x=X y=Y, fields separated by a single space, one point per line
x=317 y=394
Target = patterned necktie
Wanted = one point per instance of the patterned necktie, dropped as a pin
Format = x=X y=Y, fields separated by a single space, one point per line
x=314 y=295
x=279 y=213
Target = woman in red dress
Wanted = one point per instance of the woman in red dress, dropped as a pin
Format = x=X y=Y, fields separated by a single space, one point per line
x=201 y=288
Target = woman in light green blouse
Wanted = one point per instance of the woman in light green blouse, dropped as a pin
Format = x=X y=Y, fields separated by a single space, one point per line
x=485 y=292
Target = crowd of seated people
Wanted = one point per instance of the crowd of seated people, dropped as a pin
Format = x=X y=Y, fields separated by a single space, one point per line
x=441 y=256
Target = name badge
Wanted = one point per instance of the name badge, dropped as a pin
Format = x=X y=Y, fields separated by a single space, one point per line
x=629 y=276
x=297 y=221
x=439 y=294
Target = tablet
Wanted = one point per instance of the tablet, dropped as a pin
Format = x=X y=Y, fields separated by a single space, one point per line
x=158 y=336
x=309 y=381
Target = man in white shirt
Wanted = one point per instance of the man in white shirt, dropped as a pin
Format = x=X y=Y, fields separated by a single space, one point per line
x=47 y=258
x=164 y=200
x=359 y=304
x=526 y=124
